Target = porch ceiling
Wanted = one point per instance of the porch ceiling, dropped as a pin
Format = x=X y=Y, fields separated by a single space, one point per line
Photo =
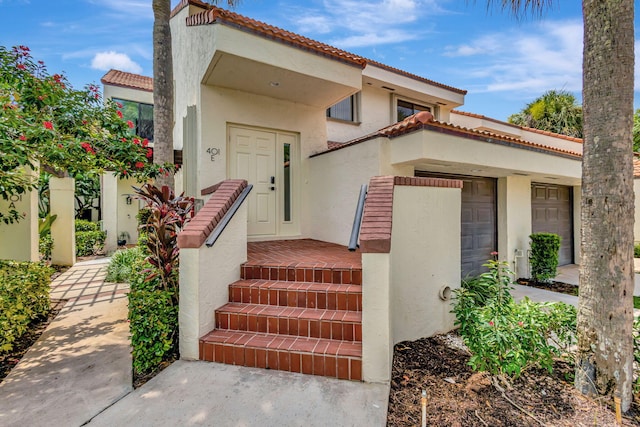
x=436 y=152
x=248 y=75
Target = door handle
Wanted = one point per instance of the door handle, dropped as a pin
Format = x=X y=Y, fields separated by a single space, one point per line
x=273 y=180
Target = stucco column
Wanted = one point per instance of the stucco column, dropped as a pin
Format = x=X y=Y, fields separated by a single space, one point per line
x=63 y=231
x=377 y=342
x=577 y=222
x=109 y=207
x=19 y=241
x=514 y=221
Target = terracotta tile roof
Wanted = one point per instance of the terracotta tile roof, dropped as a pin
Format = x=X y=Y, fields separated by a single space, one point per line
x=213 y=14
x=130 y=80
x=528 y=129
x=424 y=120
x=216 y=14
x=333 y=144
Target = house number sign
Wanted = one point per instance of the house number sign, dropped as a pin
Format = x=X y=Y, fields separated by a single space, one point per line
x=213 y=152
x=13 y=199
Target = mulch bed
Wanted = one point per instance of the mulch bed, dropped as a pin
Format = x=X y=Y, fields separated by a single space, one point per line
x=456 y=396
x=564 y=288
x=22 y=345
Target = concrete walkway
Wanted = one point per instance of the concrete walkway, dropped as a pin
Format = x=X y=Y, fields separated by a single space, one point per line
x=212 y=394
x=81 y=363
x=79 y=373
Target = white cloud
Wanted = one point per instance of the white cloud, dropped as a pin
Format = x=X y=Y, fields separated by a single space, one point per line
x=111 y=59
x=357 y=24
x=531 y=59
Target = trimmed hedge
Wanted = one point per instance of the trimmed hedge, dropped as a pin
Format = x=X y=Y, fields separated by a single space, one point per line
x=545 y=248
x=153 y=318
x=89 y=239
x=24 y=296
x=84 y=225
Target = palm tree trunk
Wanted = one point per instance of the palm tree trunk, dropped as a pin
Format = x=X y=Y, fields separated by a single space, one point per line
x=605 y=313
x=162 y=89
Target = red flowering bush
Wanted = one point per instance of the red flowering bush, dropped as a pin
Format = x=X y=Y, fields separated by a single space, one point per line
x=45 y=122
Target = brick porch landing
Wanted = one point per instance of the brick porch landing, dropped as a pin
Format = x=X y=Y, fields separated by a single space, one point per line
x=297 y=308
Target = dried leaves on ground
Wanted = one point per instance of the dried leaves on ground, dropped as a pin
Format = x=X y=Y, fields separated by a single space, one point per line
x=456 y=396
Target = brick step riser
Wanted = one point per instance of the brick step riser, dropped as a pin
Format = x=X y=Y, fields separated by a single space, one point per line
x=301 y=274
x=312 y=328
x=326 y=300
x=341 y=367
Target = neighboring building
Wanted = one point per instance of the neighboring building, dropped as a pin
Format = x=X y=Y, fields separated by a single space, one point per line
x=118 y=204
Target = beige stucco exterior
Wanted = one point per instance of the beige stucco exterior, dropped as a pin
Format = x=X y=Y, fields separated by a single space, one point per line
x=19 y=241
x=401 y=290
x=119 y=209
x=205 y=276
x=118 y=216
x=63 y=232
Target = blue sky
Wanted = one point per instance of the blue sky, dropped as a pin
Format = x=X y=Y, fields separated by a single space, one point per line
x=503 y=62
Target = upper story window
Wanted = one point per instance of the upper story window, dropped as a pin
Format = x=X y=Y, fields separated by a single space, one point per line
x=140 y=114
x=346 y=110
x=406 y=109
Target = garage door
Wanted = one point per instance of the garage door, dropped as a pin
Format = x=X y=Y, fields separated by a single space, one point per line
x=478 y=221
x=551 y=212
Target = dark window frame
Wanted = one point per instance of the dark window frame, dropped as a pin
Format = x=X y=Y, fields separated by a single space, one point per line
x=338 y=110
x=142 y=127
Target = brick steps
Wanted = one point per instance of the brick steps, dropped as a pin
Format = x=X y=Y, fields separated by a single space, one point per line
x=297 y=294
x=314 y=356
x=303 y=272
x=297 y=321
x=297 y=308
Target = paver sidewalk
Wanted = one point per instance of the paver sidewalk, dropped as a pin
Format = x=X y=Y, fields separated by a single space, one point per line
x=81 y=364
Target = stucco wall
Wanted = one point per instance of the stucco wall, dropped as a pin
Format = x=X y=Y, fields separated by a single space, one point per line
x=375 y=113
x=205 y=275
x=128 y=94
x=437 y=146
x=514 y=221
x=335 y=179
x=19 y=241
x=425 y=257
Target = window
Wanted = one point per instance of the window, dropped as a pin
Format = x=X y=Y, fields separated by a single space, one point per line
x=346 y=110
x=406 y=109
x=140 y=114
x=287 y=181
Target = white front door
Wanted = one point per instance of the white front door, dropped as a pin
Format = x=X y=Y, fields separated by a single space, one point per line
x=252 y=156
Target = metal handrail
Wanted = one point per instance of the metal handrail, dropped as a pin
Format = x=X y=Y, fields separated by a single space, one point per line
x=227 y=216
x=357 y=220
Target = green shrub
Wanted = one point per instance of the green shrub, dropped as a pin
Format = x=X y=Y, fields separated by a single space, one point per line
x=153 y=322
x=45 y=246
x=153 y=319
x=636 y=351
x=543 y=257
x=153 y=297
x=24 y=296
x=506 y=337
x=89 y=242
x=84 y=225
x=636 y=250
x=122 y=264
